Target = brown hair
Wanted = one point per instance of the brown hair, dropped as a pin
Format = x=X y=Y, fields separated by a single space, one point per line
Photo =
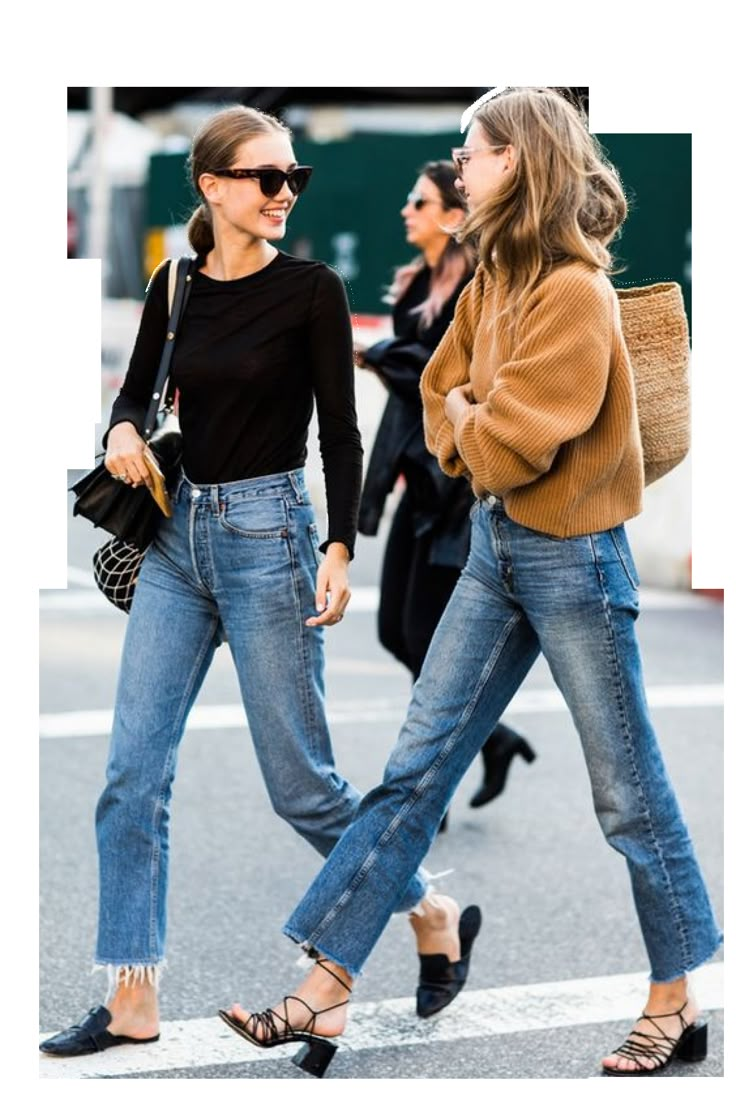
x=215 y=146
x=457 y=260
x=563 y=201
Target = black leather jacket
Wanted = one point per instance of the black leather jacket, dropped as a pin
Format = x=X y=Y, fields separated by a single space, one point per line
x=440 y=505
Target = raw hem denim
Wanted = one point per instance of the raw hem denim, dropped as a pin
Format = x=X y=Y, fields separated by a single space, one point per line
x=520 y=592
x=237 y=561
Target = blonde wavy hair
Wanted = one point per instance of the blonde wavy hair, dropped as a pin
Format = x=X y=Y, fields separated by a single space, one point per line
x=563 y=200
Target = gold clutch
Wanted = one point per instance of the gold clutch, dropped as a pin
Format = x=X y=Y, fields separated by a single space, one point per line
x=158 y=490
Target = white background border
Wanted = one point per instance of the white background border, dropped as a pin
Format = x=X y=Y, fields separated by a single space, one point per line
x=651 y=67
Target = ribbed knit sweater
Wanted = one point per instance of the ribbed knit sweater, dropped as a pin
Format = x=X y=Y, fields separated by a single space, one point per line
x=552 y=429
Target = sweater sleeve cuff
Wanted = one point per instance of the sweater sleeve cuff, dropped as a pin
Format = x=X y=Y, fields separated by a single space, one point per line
x=445 y=449
x=444 y=442
x=463 y=432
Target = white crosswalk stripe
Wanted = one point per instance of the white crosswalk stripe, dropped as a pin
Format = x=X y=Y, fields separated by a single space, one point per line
x=479 y=1014
x=97 y=722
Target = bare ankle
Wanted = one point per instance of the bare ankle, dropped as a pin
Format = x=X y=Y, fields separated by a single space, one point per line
x=133 y=997
x=670 y=995
x=665 y=989
x=434 y=913
x=328 y=977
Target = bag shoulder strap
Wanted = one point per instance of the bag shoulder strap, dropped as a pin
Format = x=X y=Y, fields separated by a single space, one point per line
x=173 y=267
x=179 y=287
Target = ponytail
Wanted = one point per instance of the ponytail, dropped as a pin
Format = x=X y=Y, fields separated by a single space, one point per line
x=215 y=145
x=199 y=231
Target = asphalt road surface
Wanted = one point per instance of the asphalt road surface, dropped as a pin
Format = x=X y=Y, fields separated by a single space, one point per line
x=559 y=970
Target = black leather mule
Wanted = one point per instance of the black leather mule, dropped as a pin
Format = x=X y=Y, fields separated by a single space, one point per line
x=88 y=1037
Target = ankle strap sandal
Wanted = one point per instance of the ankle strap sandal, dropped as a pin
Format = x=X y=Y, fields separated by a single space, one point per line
x=690 y=1046
x=270 y=1029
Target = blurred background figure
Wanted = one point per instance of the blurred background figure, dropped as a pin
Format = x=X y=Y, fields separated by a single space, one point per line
x=72 y=233
x=427 y=544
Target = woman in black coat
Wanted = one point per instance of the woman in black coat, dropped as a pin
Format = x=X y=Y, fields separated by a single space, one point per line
x=429 y=537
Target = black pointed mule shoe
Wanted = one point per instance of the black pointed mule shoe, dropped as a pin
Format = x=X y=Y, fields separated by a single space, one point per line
x=440 y=980
x=269 y=1029
x=88 y=1037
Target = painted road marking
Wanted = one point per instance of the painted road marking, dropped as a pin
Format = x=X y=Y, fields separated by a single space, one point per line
x=97 y=722
x=479 y=1014
x=80 y=576
x=86 y=598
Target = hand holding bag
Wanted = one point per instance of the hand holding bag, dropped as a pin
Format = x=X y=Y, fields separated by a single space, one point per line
x=132 y=514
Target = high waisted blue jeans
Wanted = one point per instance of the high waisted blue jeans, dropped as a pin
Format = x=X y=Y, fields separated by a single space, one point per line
x=239 y=560
x=522 y=591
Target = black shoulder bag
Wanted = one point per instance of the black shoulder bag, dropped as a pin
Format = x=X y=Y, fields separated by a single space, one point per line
x=132 y=514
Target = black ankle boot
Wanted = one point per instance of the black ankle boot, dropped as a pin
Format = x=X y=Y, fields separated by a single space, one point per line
x=498 y=751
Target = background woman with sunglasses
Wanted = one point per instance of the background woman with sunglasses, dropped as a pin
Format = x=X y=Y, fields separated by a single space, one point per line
x=264 y=336
x=429 y=538
x=531 y=395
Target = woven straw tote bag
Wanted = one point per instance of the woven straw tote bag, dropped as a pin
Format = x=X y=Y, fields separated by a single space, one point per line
x=655 y=329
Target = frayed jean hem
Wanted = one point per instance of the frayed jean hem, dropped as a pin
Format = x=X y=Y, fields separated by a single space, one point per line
x=131 y=973
x=318 y=950
x=692 y=966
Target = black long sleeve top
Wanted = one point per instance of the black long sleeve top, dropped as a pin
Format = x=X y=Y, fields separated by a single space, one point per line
x=407 y=323
x=417 y=341
x=251 y=356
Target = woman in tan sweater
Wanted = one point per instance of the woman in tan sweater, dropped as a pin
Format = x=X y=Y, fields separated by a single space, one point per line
x=530 y=396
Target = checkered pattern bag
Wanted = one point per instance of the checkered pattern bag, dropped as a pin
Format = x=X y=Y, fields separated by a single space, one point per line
x=116 y=566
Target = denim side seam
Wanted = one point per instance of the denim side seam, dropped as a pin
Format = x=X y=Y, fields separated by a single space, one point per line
x=622 y=559
x=420 y=788
x=165 y=776
x=646 y=812
x=304 y=666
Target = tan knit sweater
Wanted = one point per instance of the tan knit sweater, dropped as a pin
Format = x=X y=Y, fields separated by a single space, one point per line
x=553 y=429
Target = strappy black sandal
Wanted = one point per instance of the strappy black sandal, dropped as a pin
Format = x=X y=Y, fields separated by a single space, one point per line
x=318 y=1051
x=691 y=1046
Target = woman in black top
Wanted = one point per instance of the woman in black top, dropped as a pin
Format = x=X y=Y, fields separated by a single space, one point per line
x=263 y=336
x=428 y=542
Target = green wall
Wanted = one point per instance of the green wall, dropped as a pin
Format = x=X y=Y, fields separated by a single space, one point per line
x=349 y=215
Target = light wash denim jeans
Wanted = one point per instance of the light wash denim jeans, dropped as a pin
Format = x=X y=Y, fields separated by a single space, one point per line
x=239 y=558
x=522 y=591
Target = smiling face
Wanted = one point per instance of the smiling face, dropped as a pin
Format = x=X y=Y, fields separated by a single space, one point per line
x=485 y=167
x=239 y=205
